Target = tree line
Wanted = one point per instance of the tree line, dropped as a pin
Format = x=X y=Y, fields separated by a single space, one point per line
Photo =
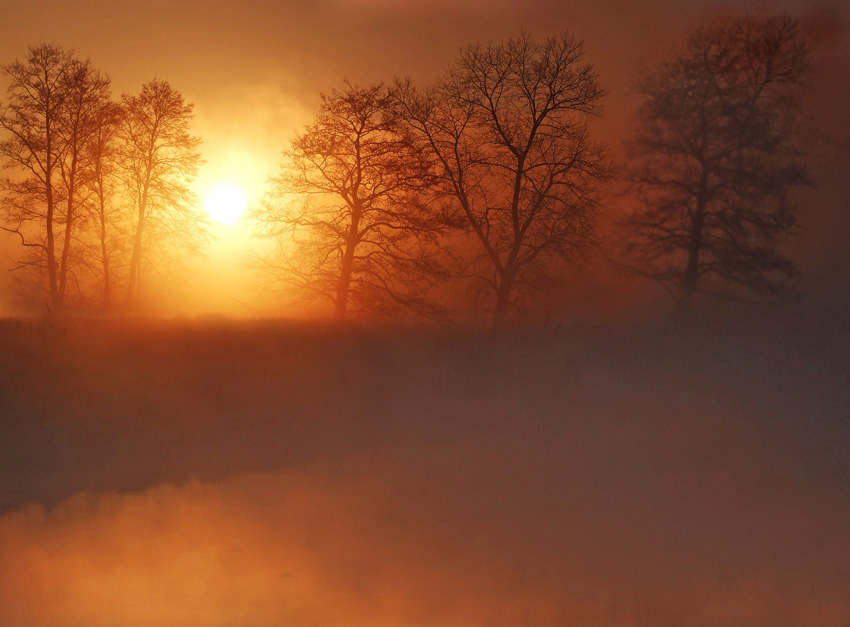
x=489 y=177
x=96 y=187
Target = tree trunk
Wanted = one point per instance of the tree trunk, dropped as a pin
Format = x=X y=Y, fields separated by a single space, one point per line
x=104 y=253
x=135 y=262
x=346 y=267
x=136 y=258
x=503 y=299
x=69 y=223
x=51 y=253
x=51 y=240
x=691 y=274
x=106 y=293
x=104 y=256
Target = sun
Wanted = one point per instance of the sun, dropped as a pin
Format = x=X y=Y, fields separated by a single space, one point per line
x=225 y=204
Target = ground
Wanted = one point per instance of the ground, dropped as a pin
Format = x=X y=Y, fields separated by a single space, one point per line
x=215 y=472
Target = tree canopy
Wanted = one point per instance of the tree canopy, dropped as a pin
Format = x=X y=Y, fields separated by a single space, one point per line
x=93 y=186
x=508 y=130
x=716 y=152
x=349 y=212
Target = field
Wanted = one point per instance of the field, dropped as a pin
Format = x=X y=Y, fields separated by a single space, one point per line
x=218 y=472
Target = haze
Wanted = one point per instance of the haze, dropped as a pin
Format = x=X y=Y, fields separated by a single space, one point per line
x=254 y=72
x=217 y=449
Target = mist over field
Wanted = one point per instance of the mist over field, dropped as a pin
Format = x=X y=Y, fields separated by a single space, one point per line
x=367 y=313
x=216 y=472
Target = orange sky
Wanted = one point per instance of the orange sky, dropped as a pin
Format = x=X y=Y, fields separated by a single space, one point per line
x=254 y=70
x=611 y=480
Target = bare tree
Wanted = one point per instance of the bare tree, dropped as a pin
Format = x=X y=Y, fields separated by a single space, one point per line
x=347 y=212
x=158 y=160
x=507 y=128
x=106 y=245
x=88 y=94
x=51 y=95
x=714 y=156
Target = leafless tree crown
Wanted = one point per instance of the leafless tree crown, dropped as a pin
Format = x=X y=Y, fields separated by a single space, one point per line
x=715 y=154
x=507 y=128
x=349 y=210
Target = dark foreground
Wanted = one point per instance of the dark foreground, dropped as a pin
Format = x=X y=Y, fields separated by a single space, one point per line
x=222 y=473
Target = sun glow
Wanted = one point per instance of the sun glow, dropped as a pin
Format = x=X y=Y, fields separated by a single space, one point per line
x=225 y=204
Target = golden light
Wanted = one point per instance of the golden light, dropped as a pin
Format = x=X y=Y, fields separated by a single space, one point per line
x=225 y=204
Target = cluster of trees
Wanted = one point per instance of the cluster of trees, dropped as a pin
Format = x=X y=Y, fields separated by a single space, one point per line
x=94 y=186
x=497 y=156
x=490 y=175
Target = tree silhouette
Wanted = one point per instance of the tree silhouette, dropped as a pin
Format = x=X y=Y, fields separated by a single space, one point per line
x=107 y=244
x=157 y=161
x=507 y=128
x=88 y=95
x=347 y=212
x=54 y=100
x=714 y=156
